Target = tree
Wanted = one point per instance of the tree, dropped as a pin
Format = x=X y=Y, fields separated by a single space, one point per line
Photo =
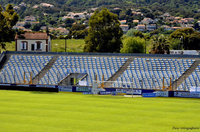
x=133 y=45
x=78 y=31
x=190 y=39
x=36 y=27
x=196 y=26
x=52 y=22
x=131 y=32
x=76 y=27
x=139 y=34
x=175 y=44
x=134 y=33
x=8 y=18
x=69 y=22
x=104 y=34
x=117 y=11
x=160 y=44
x=27 y=25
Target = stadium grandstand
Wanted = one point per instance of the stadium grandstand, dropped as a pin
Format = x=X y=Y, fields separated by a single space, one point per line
x=139 y=71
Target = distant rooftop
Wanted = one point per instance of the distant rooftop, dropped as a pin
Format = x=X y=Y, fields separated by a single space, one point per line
x=31 y=35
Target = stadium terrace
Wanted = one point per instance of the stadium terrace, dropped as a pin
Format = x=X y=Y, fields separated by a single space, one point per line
x=104 y=71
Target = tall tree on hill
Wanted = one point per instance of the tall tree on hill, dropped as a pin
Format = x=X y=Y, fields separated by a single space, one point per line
x=190 y=39
x=104 y=34
x=8 y=18
x=160 y=45
x=133 y=45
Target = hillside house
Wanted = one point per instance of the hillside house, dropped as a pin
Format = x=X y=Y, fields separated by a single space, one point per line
x=124 y=28
x=151 y=27
x=140 y=27
x=29 y=19
x=123 y=22
x=147 y=21
x=35 y=42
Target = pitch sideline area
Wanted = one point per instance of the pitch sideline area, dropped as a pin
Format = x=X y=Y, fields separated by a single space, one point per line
x=22 y=111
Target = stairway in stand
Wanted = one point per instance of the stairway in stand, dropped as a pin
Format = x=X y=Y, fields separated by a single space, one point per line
x=186 y=74
x=119 y=72
x=41 y=74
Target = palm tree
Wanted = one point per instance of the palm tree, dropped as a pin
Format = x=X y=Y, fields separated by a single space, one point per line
x=160 y=44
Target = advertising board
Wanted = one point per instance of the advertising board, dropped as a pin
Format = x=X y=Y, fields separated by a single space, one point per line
x=149 y=95
x=187 y=94
x=105 y=92
x=82 y=89
x=162 y=93
x=129 y=91
x=65 y=89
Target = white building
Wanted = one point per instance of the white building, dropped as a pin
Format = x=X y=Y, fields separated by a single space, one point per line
x=36 y=42
x=147 y=21
x=46 y=5
x=140 y=27
x=124 y=28
x=123 y=22
x=30 y=19
x=151 y=27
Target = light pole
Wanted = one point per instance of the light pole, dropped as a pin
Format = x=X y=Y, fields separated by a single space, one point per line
x=65 y=43
x=56 y=48
x=145 y=46
x=181 y=45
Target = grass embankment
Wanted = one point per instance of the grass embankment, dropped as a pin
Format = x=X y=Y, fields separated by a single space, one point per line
x=61 y=112
x=58 y=45
x=73 y=45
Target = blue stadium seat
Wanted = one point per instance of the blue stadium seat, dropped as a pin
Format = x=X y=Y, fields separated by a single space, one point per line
x=152 y=70
x=18 y=65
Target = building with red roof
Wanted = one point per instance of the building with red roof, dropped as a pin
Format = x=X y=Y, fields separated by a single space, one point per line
x=33 y=41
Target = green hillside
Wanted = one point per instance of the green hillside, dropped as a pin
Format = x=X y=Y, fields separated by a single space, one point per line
x=103 y=2
x=120 y=3
x=185 y=8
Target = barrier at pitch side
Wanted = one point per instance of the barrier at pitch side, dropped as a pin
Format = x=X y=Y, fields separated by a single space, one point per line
x=128 y=91
x=81 y=89
x=164 y=93
x=149 y=95
x=107 y=92
x=187 y=94
x=65 y=88
x=121 y=91
x=28 y=87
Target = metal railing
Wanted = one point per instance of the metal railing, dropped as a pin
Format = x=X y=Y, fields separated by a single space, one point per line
x=2 y=56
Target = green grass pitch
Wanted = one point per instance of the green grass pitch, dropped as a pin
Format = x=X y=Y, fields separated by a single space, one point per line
x=62 y=112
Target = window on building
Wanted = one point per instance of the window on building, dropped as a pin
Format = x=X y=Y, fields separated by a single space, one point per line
x=39 y=45
x=24 y=45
